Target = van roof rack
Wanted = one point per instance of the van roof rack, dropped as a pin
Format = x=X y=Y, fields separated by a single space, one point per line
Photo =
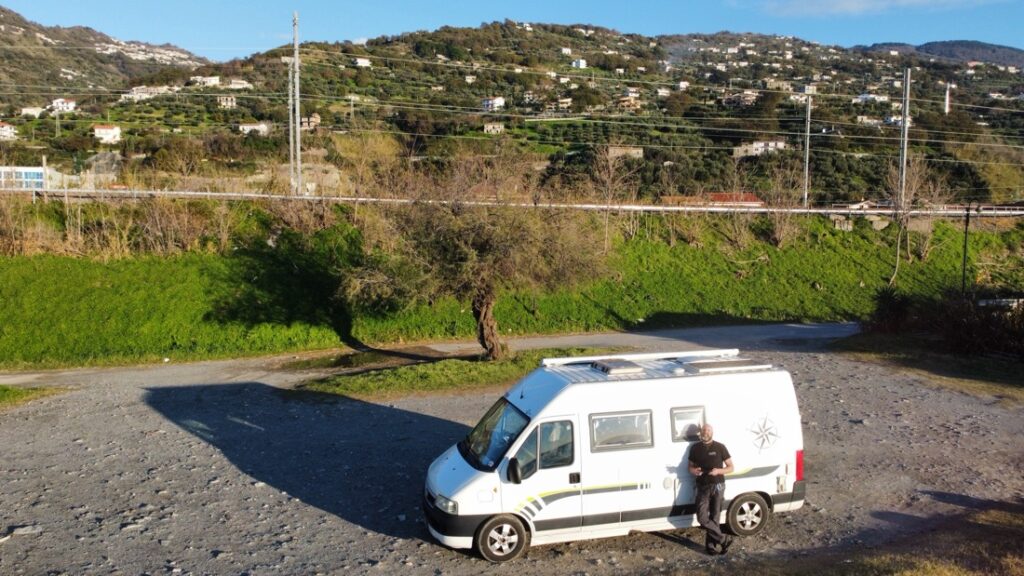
x=681 y=357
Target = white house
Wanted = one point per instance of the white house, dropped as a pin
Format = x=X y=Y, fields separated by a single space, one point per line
x=140 y=93
x=227 y=102
x=684 y=85
x=664 y=92
x=579 y=63
x=470 y=79
x=107 y=133
x=63 y=105
x=866 y=98
x=494 y=128
x=363 y=63
x=8 y=131
x=564 y=103
x=567 y=51
x=259 y=128
x=238 y=84
x=34 y=111
x=493 y=103
x=205 y=81
x=620 y=71
x=758 y=148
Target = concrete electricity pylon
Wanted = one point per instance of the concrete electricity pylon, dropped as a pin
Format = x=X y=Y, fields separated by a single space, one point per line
x=291 y=124
x=298 y=105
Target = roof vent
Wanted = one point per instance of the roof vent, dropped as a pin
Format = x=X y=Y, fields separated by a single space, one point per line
x=616 y=367
x=717 y=365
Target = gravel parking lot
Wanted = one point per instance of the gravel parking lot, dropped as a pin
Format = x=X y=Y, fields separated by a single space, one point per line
x=215 y=468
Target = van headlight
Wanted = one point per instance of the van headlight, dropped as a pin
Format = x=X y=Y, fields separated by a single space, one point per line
x=446 y=505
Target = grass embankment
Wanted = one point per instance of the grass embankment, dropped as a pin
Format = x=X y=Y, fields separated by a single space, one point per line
x=450 y=375
x=11 y=396
x=976 y=375
x=60 y=311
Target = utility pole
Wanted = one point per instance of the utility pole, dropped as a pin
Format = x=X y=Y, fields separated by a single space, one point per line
x=291 y=124
x=945 y=108
x=963 y=269
x=807 y=150
x=904 y=133
x=298 y=105
x=56 y=114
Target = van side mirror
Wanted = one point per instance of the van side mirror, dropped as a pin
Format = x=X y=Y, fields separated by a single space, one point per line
x=515 y=474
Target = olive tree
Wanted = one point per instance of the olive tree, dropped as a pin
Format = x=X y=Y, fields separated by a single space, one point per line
x=472 y=236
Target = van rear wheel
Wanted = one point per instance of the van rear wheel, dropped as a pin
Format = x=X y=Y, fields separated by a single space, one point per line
x=748 y=514
x=502 y=538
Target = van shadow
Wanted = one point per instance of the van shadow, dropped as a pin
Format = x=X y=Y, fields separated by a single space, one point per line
x=362 y=462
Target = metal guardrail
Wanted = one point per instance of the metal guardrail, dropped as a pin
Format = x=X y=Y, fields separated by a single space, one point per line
x=946 y=211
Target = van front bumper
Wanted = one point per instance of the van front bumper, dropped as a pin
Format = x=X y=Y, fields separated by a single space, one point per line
x=451 y=530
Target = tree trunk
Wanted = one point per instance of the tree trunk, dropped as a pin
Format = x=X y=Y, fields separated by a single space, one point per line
x=486 y=325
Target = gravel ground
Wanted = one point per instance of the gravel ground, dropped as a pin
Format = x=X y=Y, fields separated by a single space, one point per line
x=212 y=468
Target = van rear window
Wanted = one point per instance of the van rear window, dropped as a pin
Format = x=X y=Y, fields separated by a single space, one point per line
x=620 y=431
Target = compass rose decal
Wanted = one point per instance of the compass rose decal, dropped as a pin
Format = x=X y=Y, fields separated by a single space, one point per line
x=765 y=433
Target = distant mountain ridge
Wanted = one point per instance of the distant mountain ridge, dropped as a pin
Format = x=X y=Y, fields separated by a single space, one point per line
x=956 y=50
x=78 y=56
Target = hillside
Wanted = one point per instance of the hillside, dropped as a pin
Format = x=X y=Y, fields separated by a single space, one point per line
x=77 y=56
x=961 y=51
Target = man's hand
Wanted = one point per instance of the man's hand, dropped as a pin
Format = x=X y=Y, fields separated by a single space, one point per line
x=715 y=472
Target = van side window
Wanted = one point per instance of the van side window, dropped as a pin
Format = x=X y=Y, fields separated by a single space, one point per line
x=556 y=444
x=620 y=431
x=686 y=423
x=527 y=455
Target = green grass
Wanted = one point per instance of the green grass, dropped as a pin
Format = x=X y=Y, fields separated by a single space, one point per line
x=11 y=396
x=443 y=375
x=64 y=311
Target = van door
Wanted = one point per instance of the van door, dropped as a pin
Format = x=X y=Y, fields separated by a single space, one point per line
x=549 y=494
x=686 y=424
x=622 y=480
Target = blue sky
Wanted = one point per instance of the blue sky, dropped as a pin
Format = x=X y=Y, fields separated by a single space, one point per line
x=221 y=29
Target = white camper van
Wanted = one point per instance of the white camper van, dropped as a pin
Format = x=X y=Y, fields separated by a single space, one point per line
x=598 y=446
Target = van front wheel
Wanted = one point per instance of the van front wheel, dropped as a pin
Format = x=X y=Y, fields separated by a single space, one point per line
x=748 y=514
x=502 y=538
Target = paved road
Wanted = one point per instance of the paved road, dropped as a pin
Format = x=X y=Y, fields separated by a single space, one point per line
x=214 y=468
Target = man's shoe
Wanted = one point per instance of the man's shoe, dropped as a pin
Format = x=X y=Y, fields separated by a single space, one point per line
x=725 y=544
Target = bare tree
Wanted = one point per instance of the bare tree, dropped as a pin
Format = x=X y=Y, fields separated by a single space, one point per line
x=785 y=190
x=613 y=178
x=903 y=198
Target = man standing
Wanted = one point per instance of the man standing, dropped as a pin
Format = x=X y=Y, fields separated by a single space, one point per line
x=710 y=462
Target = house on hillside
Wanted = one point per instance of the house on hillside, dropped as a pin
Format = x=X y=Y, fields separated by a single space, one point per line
x=758 y=148
x=63 y=105
x=741 y=99
x=205 y=81
x=33 y=111
x=579 y=63
x=310 y=123
x=257 y=128
x=8 y=132
x=239 y=84
x=363 y=63
x=494 y=128
x=227 y=102
x=107 y=133
x=493 y=103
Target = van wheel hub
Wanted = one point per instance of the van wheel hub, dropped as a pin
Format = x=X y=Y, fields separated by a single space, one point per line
x=502 y=539
x=749 y=515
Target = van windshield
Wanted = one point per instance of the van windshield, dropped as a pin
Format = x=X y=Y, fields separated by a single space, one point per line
x=488 y=442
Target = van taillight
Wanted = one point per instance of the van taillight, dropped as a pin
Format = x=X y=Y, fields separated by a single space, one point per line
x=799 y=465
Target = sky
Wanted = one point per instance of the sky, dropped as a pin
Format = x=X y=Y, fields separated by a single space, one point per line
x=222 y=29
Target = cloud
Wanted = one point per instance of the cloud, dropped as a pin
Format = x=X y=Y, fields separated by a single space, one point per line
x=858 y=7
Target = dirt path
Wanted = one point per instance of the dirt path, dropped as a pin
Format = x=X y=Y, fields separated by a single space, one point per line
x=211 y=468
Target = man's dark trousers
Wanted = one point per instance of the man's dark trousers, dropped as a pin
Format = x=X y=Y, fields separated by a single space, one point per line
x=709 y=510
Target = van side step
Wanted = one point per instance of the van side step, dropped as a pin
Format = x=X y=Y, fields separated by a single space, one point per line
x=681 y=357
